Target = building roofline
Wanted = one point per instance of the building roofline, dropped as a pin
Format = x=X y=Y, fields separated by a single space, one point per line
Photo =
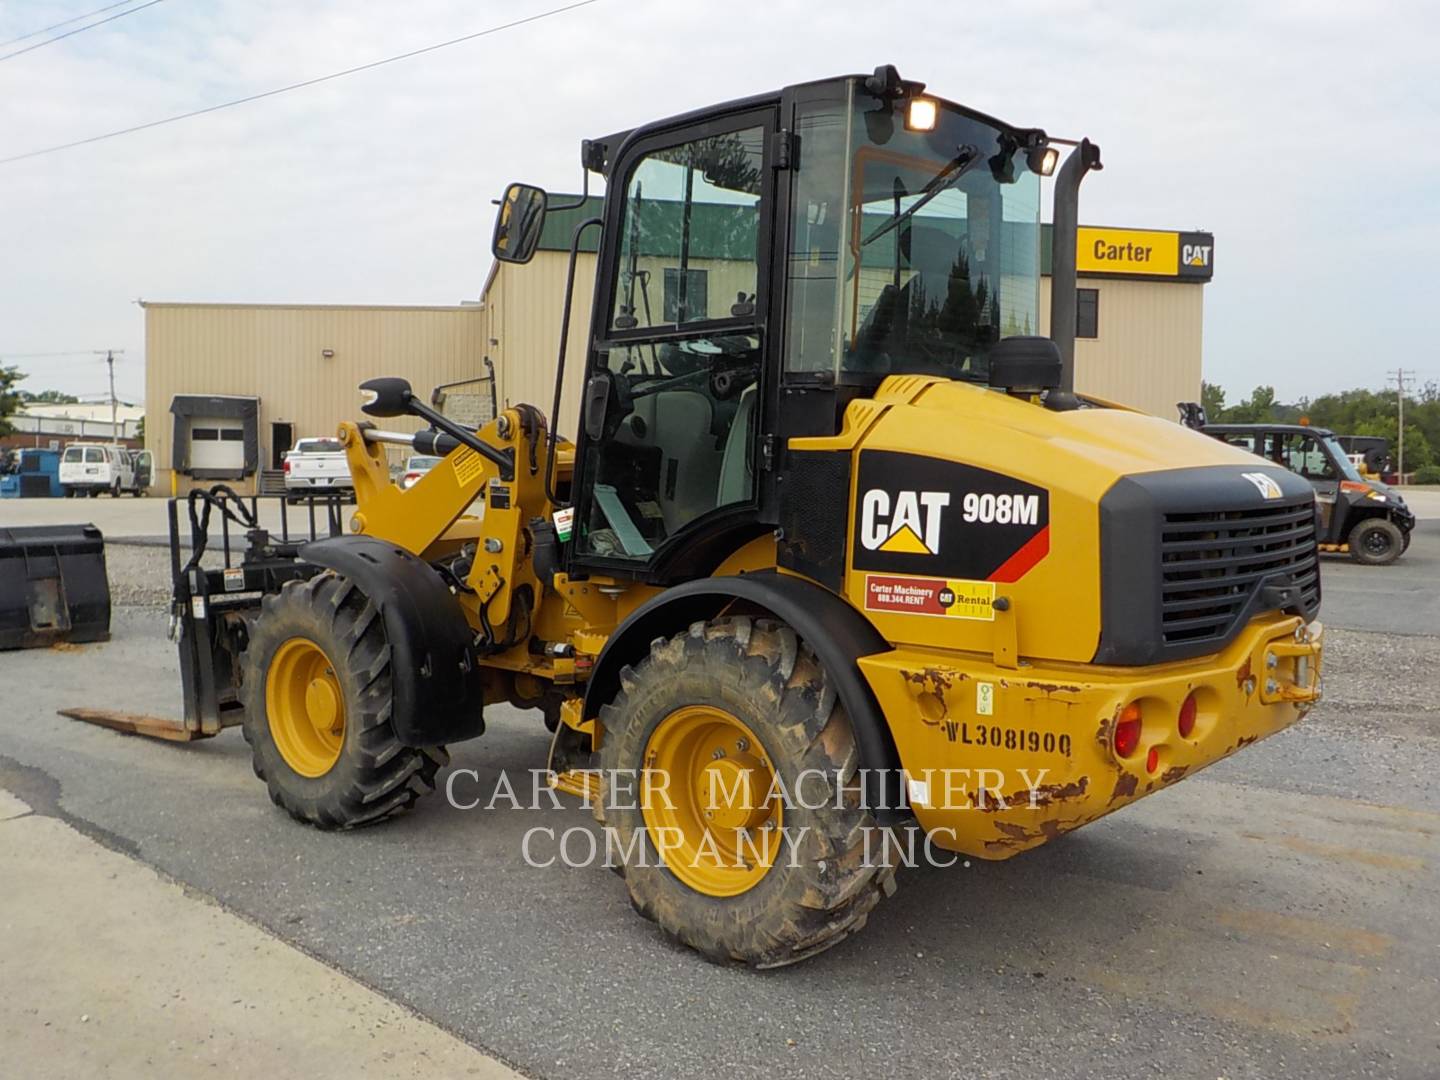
x=470 y=305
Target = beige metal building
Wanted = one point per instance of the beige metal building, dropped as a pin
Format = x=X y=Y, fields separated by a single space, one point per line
x=230 y=387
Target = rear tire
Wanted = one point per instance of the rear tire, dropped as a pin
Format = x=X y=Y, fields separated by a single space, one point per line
x=349 y=769
x=757 y=675
x=1376 y=542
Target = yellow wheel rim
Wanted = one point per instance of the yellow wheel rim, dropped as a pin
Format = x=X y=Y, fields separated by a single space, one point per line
x=306 y=707
x=710 y=800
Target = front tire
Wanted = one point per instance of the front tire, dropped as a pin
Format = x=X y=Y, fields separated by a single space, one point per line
x=1376 y=542
x=791 y=868
x=318 y=693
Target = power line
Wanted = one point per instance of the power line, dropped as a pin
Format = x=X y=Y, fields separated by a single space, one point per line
x=298 y=85
x=77 y=30
x=42 y=355
x=64 y=22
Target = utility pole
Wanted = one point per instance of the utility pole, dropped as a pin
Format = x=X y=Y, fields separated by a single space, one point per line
x=1399 y=376
x=110 y=363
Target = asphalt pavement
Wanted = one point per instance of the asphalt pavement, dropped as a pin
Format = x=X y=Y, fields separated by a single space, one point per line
x=1278 y=915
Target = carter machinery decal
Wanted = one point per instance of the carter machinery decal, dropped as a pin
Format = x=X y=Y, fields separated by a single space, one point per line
x=926 y=596
x=955 y=525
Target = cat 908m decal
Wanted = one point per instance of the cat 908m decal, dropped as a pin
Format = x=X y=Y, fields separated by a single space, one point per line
x=921 y=515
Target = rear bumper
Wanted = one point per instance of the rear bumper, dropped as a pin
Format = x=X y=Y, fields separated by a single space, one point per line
x=318 y=483
x=1000 y=760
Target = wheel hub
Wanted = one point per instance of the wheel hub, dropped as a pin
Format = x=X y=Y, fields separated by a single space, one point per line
x=305 y=706
x=732 y=792
x=710 y=800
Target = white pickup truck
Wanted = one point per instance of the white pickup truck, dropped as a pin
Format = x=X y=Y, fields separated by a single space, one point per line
x=317 y=466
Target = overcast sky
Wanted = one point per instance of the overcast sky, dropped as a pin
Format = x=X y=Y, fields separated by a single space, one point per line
x=1301 y=132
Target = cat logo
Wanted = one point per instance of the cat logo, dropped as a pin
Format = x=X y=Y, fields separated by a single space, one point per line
x=1196 y=254
x=911 y=526
x=1267 y=487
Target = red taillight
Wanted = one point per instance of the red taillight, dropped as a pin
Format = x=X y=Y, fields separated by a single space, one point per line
x=410 y=478
x=1186 y=722
x=286 y=465
x=1152 y=760
x=1127 y=730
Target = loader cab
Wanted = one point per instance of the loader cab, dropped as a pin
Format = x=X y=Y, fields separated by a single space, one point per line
x=760 y=265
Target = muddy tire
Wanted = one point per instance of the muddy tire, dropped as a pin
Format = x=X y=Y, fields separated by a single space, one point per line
x=1376 y=542
x=317 y=688
x=833 y=866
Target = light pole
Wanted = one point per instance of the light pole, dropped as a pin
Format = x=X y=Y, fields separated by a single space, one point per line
x=1399 y=376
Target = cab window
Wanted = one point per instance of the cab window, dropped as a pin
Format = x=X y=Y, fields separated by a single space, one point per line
x=1302 y=454
x=688 y=240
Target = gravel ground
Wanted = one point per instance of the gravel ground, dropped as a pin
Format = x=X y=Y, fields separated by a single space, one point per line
x=139 y=576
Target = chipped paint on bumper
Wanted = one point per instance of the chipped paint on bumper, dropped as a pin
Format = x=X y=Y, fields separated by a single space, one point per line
x=1040 y=762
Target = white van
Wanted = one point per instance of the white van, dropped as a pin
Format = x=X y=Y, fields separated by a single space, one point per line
x=90 y=468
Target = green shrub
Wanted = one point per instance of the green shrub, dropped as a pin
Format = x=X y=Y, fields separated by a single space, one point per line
x=1428 y=474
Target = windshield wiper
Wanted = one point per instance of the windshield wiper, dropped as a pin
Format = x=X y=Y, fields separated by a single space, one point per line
x=945 y=178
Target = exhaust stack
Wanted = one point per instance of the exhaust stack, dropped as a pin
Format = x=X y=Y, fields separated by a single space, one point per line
x=1084 y=158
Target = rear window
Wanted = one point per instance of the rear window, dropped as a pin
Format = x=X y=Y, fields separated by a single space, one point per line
x=94 y=455
x=74 y=454
x=420 y=461
x=318 y=446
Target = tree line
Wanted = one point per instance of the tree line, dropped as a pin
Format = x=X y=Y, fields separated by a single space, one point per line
x=1349 y=412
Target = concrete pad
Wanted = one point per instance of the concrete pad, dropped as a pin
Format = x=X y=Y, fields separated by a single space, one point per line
x=11 y=807
x=109 y=970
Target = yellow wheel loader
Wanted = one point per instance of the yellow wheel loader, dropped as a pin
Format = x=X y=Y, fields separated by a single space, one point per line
x=836 y=553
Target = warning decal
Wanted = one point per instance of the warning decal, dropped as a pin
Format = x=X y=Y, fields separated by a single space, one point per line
x=930 y=596
x=468 y=466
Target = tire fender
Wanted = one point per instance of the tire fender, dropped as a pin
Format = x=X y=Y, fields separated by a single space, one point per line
x=836 y=631
x=438 y=694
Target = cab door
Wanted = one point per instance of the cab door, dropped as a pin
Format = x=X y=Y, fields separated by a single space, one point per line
x=1304 y=454
x=668 y=462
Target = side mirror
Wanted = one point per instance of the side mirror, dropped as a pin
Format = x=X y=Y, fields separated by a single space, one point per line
x=518 y=225
x=386 y=397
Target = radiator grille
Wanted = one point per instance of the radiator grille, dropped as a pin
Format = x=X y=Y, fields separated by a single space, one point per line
x=1213 y=562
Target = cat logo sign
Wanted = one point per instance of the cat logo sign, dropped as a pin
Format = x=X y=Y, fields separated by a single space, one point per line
x=1266 y=485
x=910 y=526
x=1196 y=254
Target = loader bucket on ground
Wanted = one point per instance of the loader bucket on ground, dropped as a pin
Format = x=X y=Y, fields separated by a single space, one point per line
x=53 y=586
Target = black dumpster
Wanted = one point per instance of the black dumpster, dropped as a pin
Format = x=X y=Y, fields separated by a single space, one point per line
x=53 y=586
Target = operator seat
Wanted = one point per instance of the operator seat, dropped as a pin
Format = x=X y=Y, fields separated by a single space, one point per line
x=736 y=468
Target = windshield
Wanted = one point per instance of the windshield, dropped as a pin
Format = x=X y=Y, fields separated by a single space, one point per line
x=319 y=446
x=1342 y=460
x=910 y=251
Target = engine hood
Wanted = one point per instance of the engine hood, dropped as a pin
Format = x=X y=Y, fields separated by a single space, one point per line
x=962 y=495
